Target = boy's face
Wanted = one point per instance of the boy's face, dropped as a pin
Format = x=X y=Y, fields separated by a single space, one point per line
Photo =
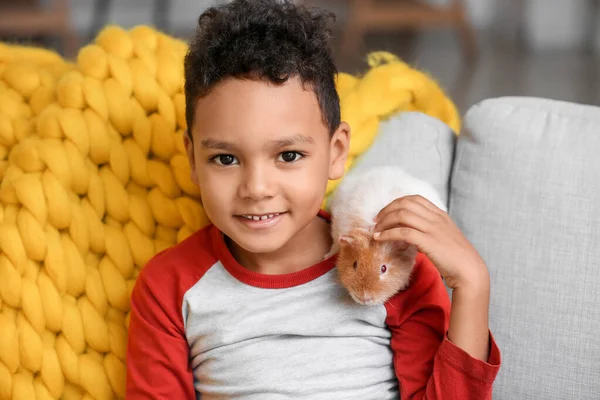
x=262 y=157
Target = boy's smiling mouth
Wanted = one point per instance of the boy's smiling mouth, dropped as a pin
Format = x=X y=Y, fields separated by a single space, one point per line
x=260 y=221
x=257 y=217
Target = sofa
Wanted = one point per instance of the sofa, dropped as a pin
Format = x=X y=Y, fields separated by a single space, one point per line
x=522 y=181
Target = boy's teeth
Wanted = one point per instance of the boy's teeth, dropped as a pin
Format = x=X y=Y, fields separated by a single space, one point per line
x=260 y=218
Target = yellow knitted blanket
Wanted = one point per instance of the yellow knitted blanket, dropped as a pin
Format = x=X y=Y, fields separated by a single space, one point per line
x=94 y=182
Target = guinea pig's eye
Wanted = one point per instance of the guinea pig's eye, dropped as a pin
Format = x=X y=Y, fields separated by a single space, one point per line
x=383 y=268
x=355 y=264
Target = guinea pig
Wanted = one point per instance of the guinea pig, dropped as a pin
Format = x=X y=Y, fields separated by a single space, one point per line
x=372 y=272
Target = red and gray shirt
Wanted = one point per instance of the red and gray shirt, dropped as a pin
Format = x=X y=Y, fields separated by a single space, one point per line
x=204 y=327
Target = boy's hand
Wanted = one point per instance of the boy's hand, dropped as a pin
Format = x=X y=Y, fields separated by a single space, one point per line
x=415 y=220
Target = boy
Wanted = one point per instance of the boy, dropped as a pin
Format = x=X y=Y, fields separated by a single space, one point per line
x=247 y=308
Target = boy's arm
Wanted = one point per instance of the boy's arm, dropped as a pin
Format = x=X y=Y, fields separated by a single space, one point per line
x=157 y=350
x=428 y=365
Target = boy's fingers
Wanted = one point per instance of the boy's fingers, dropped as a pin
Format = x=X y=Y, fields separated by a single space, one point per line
x=390 y=207
x=403 y=217
x=405 y=203
x=403 y=234
x=427 y=203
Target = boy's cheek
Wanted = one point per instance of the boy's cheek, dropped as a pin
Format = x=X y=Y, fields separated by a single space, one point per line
x=213 y=207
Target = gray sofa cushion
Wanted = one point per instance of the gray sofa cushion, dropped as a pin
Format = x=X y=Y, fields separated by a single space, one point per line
x=422 y=145
x=525 y=189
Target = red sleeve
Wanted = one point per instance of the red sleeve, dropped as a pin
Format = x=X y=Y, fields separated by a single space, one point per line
x=427 y=364
x=158 y=365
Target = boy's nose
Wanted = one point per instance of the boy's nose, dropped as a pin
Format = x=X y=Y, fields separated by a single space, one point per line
x=257 y=184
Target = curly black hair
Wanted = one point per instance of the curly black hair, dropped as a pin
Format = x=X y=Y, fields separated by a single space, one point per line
x=263 y=39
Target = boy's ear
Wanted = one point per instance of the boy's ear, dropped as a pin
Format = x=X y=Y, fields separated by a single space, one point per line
x=189 y=149
x=338 y=151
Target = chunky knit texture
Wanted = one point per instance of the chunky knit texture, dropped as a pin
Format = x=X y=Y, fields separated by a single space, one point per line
x=95 y=181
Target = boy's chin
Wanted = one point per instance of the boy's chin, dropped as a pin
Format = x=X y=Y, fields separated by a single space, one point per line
x=261 y=245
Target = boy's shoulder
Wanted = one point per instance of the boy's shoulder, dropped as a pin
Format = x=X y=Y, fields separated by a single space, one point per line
x=180 y=266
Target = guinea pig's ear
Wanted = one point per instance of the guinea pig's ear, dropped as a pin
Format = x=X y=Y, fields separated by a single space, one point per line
x=346 y=240
x=404 y=251
x=400 y=245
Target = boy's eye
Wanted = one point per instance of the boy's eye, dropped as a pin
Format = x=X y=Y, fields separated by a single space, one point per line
x=224 y=159
x=290 y=156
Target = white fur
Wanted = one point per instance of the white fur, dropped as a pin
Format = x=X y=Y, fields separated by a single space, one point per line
x=366 y=193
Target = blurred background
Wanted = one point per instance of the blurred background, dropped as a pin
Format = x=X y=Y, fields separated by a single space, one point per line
x=475 y=49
